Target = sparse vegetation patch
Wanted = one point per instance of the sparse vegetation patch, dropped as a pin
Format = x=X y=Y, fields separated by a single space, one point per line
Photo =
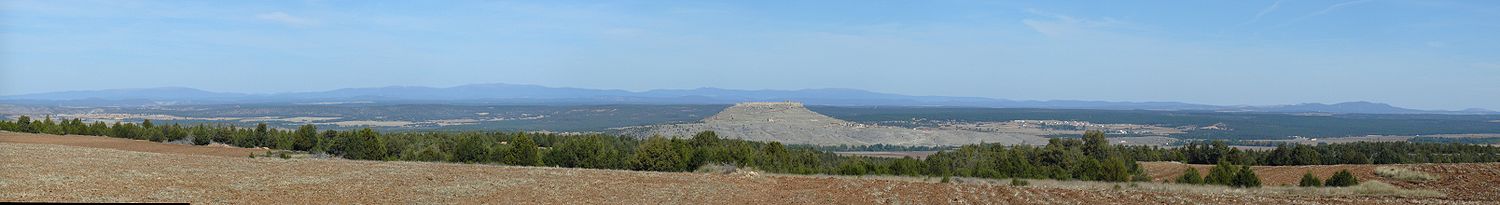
x=1403 y=174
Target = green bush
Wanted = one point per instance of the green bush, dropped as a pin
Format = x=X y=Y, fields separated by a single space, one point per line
x=1246 y=178
x=523 y=151
x=1019 y=182
x=201 y=140
x=1342 y=179
x=657 y=154
x=1308 y=180
x=1190 y=177
x=1403 y=174
x=1222 y=174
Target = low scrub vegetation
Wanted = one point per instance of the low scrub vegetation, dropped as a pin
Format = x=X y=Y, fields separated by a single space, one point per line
x=1090 y=158
x=1341 y=179
x=1211 y=152
x=1403 y=174
x=1310 y=180
x=1223 y=174
x=1019 y=182
x=1382 y=188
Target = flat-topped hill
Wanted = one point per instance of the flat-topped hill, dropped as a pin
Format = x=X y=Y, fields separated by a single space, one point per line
x=791 y=123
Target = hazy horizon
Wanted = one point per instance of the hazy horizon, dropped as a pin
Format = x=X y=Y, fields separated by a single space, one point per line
x=1413 y=54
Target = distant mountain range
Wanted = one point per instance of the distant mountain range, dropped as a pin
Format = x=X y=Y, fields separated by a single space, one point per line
x=532 y=94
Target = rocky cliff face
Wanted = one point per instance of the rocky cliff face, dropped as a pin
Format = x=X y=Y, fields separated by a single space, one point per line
x=791 y=123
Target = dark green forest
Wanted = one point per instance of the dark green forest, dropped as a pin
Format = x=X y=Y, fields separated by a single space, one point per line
x=1088 y=158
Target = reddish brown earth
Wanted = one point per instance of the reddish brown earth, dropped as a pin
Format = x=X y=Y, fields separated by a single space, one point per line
x=1467 y=181
x=48 y=172
x=126 y=144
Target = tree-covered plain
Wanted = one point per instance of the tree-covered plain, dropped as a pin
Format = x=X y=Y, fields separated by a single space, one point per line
x=1245 y=125
x=1088 y=158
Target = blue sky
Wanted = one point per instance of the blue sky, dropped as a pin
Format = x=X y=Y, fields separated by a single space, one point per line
x=1419 y=54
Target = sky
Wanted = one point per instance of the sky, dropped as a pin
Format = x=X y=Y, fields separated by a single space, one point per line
x=1426 y=54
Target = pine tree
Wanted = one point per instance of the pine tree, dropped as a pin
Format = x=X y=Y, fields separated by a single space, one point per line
x=262 y=135
x=1308 y=180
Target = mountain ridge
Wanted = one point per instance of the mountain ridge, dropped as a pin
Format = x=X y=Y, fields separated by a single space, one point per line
x=502 y=93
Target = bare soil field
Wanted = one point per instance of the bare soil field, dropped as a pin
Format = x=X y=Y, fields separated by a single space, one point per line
x=48 y=172
x=1468 y=181
x=126 y=144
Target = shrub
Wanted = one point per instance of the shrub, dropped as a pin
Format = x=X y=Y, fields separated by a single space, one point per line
x=1190 y=177
x=1342 y=179
x=1246 y=178
x=717 y=168
x=524 y=152
x=1403 y=174
x=1378 y=188
x=1019 y=182
x=1222 y=174
x=1308 y=180
x=200 y=140
x=656 y=154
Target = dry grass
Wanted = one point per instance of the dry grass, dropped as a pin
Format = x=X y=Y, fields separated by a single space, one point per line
x=1384 y=189
x=1371 y=188
x=1404 y=174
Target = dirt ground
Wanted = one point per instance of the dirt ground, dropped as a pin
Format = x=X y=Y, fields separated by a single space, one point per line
x=125 y=144
x=1459 y=181
x=47 y=172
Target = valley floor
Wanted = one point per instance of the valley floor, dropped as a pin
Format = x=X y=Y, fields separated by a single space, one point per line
x=32 y=171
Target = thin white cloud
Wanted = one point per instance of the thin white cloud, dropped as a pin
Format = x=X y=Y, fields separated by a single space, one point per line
x=1334 y=7
x=1263 y=13
x=1340 y=6
x=287 y=19
x=1064 y=25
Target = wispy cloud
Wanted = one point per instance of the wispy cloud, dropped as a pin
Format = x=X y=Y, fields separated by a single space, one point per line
x=287 y=19
x=1340 y=6
x=1063 y=25
x=1334 y=7
x=1263 y=12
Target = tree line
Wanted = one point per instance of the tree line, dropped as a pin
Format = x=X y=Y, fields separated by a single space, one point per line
x=1088 y=158
x=1201 y=152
